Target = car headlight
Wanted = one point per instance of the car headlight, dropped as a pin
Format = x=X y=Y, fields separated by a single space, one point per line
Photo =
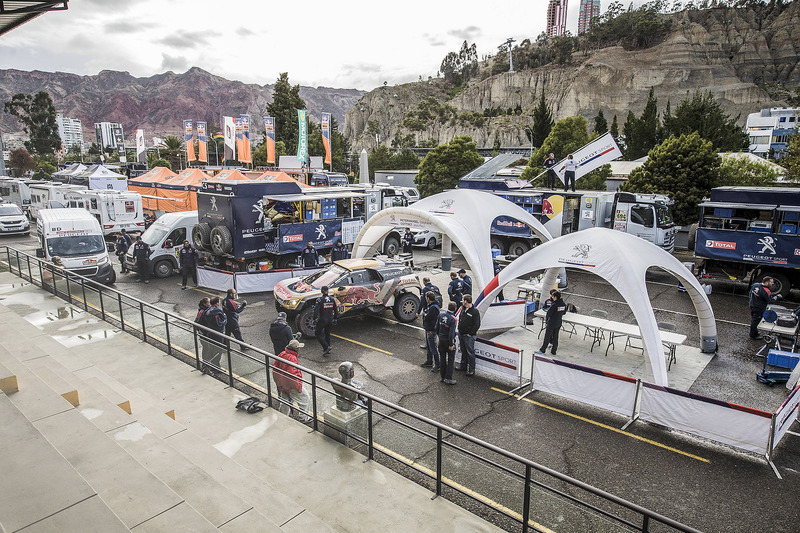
x=103 y=260
x=291 y=304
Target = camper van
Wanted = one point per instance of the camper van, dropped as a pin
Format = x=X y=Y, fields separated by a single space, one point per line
x=50 y=196
x=115 y=210
x=75 y=238
x=18 y=191
x=165 y=237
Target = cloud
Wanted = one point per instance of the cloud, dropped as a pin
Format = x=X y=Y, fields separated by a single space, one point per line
x=124 y=27
x=467 y=34
x=185 y=40
x=174 y=63
x=81 y=42
x=433 y=40
x=244 y=32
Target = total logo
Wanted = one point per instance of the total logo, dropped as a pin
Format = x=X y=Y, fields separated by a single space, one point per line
x=724 y=245
x=292 y=238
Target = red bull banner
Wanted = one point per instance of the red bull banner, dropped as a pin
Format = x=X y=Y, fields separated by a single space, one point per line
x=230 y=139
x=188 y=138
x=202 y=140
x=245 y=156
x=326 y=136
x=239 y=144
x=269 y=138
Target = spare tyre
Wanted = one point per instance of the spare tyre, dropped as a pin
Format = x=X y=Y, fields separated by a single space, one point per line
x=201 y=236
x=221 y=240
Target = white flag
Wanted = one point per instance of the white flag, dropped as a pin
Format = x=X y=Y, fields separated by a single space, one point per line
x=598 y=152
x=230 y=138
x=141 y=150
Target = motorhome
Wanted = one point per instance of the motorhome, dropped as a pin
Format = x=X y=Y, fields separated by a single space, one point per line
x=17 y=190
x=115 y=210
x=50 y=196
x=72 y=238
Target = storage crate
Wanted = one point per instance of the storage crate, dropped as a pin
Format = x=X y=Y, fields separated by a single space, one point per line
x=788 y=228
x=791 y=216
x=723 y=212
x=783 y=359
x=530 y=307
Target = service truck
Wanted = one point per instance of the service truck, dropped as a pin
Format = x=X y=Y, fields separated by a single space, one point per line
x=114 y=210
x=645 y=215
x=165 y=237
x=72 y=238
x=747 y=233
x=259 y=225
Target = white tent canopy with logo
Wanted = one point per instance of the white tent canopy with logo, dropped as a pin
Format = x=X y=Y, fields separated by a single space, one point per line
x=463 y=216
x=622 y=260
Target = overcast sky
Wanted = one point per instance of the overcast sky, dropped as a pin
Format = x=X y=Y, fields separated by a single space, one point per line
x=344 y=44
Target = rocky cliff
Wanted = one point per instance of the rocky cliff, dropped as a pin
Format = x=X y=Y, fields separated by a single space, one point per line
x=748 y=59
x=160 y=103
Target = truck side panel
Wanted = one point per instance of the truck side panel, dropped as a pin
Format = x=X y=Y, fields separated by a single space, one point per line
x=755 y=248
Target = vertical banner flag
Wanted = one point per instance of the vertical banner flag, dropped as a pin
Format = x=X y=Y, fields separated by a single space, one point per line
x=202 y=149
x=141 y=149
x=269 y=138
x=188 y=138
x=302 y=137
x=246 y=155
x=326 y=136
x=119 y=140
x=598 y=152
x=239 y=143
x=230 y=139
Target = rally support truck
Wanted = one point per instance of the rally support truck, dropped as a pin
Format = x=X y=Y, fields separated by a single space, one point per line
x=358 y=285
x=249 y=225
x=747 y=233
x=73 y=239
x=165 y=237
x=561 y=212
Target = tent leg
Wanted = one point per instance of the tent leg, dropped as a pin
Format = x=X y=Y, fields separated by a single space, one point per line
x=637 y=401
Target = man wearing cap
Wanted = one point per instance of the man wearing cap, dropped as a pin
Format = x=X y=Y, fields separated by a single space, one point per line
x=289 y=381
x=310 y=255
x=281 y=333
x=141 y=255
x=326 y=313
x=467 y=282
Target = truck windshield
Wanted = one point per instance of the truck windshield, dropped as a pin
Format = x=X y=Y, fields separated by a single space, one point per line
x=154 y=234
x=664 y=216
x=329 y=276
x=75 y=245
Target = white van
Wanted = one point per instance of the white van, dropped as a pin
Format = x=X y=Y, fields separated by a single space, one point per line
x=50 y=196
x=115 y=210
x=165 y=237
x=75 y=238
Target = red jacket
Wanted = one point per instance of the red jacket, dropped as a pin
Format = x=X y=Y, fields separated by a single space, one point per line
x=287 y=382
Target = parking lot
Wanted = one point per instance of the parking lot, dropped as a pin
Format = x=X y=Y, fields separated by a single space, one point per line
x=708 y=486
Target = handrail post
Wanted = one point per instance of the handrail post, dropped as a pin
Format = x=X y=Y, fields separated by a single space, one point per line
x=102 y=308
x=141 y=314
x=230 y=363
x=166 y=326
x=526 y=500
x=30 y=274
x=196 y=347
x=371 y=455
x=314 y=402
x=645 y=524
x=121 y=319
x=41 y=274
x=18 y=267
x=438 y=461
x=269 y=382
x=83 y=292
x=69 y=291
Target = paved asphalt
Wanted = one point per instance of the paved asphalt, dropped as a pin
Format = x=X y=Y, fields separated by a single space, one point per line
x=705 y=485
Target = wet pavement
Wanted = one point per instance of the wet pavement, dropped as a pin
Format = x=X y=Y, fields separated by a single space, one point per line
x=708 y=486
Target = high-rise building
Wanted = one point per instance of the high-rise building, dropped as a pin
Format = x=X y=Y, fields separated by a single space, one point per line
x=105 y=133
x=70 y=131
x=770 y=129
x=589 y=10
x=556 y=17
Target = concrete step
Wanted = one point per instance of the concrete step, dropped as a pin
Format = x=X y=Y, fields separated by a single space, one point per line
x=41 y=491
x=8 y=380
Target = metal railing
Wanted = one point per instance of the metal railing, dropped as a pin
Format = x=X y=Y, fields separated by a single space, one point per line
x=519 y=493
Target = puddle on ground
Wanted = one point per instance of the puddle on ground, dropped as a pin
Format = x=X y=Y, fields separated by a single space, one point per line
x=133 y=432
x=83 y=338
x=90 y=413
x=6 y=288
x=237 y=439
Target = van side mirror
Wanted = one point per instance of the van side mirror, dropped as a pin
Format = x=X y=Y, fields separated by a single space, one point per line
x=40 y=253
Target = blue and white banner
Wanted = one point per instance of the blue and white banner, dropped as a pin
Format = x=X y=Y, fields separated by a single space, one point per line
x=595 y=154
x=748 y=246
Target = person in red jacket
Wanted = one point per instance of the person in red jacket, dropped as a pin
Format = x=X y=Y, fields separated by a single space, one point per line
x=289 y=381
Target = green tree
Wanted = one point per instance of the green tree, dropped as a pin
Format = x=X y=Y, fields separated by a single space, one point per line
x=629 y=130
x=73 y=154
x=600 y=123
x=21 y=161
x=641 y=133
x=614 y=130
x=594 y=180
x=173 y=146
x=94 y=152
x=285 y=103
x=405 y=159
x=260 y=154
x=567 y=135
x=442 y=167
x=743 y=171
x=791 y=159
x=542 y=122
x=685 y=168
x=158 y=162
x=703 y=114
x=38 y=117
x=379 y=159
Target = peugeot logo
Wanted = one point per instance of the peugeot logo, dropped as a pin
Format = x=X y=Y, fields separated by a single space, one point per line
x=582 y=251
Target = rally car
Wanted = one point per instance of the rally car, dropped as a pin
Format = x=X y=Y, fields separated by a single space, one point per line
x=370 y=285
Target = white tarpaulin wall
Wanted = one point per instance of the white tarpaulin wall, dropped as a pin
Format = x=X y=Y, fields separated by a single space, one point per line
x=622 y=260
x=464 y=215
x=504 y=315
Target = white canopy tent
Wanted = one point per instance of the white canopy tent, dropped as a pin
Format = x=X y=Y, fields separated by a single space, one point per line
x=463 y=216
x=100 y=177
x=622 y=260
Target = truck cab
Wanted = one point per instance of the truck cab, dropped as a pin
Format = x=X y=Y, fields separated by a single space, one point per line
x=73 y=238
x=165 y=237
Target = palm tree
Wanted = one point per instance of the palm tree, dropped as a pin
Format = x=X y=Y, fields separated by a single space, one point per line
x=172 y=151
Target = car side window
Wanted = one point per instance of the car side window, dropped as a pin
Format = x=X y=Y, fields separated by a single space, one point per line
x=371 y=275
x=177 y=236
